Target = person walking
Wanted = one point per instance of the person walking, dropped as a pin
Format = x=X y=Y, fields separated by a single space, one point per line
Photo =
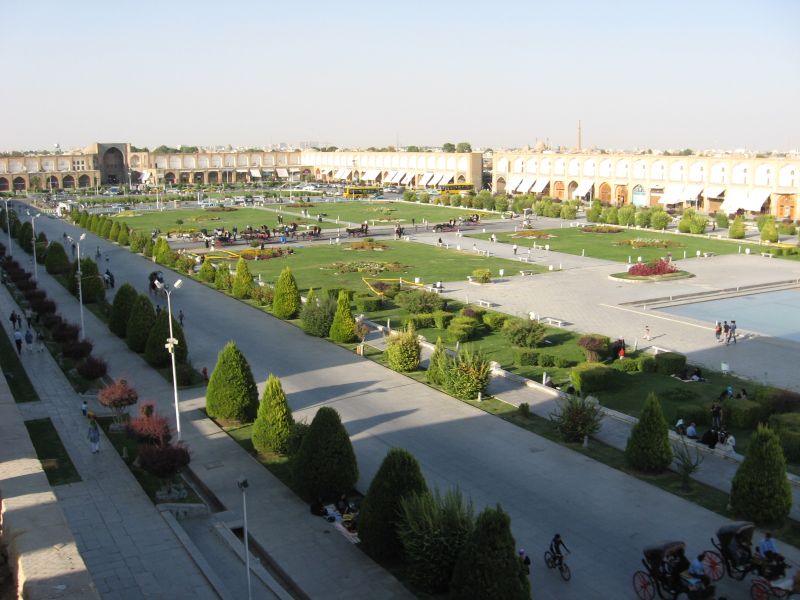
x=28 y=317
x=29 y=341
x=647 y=333
x=84 y=408
x=180 y=317
x=716 y=416
x=525 y=560
x=726 y=331
x=732 y=337
x=18 y=341
x=93 y=435
x=158 y=310
x=718 y=331
x=514 y=249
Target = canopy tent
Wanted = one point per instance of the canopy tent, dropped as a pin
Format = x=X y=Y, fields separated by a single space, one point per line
x=752 y=201
x=691 y=192
x=425 y=179
x=435 y=179
x=673 y=194
x=447 y=178
x=540 y=184
x=255 y=173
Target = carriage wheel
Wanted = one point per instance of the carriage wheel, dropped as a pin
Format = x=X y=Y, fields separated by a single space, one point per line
x=759 y=590
x=714 y=567
x=565 y=572
x=548 y=560
x=644 y=585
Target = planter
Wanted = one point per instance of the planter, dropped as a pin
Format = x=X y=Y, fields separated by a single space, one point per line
x=626 y=278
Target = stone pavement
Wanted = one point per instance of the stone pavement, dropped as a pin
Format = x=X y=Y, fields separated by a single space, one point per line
x=128 y=549
x=605 y=516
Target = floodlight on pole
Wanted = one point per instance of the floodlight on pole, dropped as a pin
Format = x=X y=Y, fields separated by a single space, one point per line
x=79 y=275
x=170 y=346
x=243 y=485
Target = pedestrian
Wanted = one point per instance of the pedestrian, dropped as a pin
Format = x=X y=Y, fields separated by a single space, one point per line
x=98 y=254
x=729 y=392
x=29 y=341
x=158 y=310
x=39 y=341
x=726 y=331
x=73 y=250
x=18 y=340
x=94 y=435
x=733 y=332
x=205 y=374
x=514 y=249
x=494 y=238
x=84 y=408
x=718 y=331
x=647 y=332
x=28 y=316
x=525 y=560
x=716 y=416
x=474 y=247
x=180 y=317
x=13 y=318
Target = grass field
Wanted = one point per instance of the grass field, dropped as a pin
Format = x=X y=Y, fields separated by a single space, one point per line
x=313 y=266
x=380 y=212
x=571 y=240
x=51 y=452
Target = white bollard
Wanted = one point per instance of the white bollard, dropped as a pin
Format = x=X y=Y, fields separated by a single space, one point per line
x=629 y=260
x=583 y=252
x=550 y=267
x=747 y=250
x=684 y=254
x=501 y=272
x=389 y=324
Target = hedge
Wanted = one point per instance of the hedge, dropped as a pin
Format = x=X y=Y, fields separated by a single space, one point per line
x=744 y=414
x=524 y=356
x=589 y=378
x=419 y=321
x=442 y=319
x=368 y=303
x=670 y=363
x=647 y=364
x=462 y=329
x=787 y=426
x=141 y=320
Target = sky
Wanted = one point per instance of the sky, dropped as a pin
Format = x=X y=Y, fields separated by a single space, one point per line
x=660 y=74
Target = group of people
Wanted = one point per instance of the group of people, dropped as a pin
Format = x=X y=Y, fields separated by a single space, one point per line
x=714 y=436
x=28 y=338
x=725 y=332
x=342 y=511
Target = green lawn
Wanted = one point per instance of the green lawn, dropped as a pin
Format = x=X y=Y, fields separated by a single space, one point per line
x=571 y=240
x=277 y=464
x=55 y=461
x=17 y=378
x=387 y=212
x=313 y=266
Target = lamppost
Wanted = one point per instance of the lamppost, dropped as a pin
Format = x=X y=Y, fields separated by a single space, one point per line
x=8 y=227
x=33 y=230
x=80 y=278
x=170 y=345
x=243 y=485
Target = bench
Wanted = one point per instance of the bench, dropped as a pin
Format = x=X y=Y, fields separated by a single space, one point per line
x=486 y=252
x=768 y=254
x=484 y=303
x=524 y=272
x=554 y=321
x=709 y=254
x=525 y=259
x=433 y=288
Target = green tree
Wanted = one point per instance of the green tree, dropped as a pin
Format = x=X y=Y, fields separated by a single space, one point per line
x=448 y=147
x=464 y=147
x=488 y=567
x=93 y=286
x=524 y=333
x=232 y=394
x=140 y=322
x=760 y=491
x=437 y=363
x=286 y=301
x=84 y=222
x=121 y=309
x=147 y=249
x=123 y=238
x=403 y=351
x=659 y=219
x=325 y=466
x=317 y=315
x=274 y=421
x=736 y=230
x=137 y=242
x=155 y=351
x=55 y=260
x=106 y=229
x=113 y=233
x=25 y=237
x=207 y=273
x=594 y=213
x=648 y=448
x=769 y=233
x=242 y=281
x=467 y=374
x=222 y=278
x=41 y=247
x=398 y=477
x=343 y=327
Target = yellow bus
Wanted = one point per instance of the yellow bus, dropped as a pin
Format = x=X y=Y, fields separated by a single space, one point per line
x=457 y=187
x=362 y=191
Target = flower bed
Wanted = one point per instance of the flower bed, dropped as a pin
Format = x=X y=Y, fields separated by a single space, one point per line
x=373 y=268
x=221 y=209
x=648 y=243
x=265 y=254
x=601 y=229
x=656 y=267
x=365 y=245
x=529 y=233
x=300 y=205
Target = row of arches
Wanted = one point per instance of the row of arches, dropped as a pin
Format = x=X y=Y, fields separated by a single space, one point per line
x=213 y=161
x=389 y=160
x=8 y=184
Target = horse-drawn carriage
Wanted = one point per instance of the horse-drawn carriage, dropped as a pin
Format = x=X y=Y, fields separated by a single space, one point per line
x=362 y=230
x=666 y=574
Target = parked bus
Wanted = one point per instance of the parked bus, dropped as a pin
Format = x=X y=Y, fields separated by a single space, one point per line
x=457 y=187
x=362 y=191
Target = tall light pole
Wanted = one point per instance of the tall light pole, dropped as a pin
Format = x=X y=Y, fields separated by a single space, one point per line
x=8 y=227
x=79 y=275
x=243 y=485
x=33 y=230
x=170 y=346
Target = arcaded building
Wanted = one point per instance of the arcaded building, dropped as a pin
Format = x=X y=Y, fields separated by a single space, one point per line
x=728 y=183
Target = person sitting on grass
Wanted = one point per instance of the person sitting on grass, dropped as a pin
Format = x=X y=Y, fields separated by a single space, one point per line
x=691 y=431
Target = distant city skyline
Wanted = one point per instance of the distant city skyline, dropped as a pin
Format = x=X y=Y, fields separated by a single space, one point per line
x=666 y=75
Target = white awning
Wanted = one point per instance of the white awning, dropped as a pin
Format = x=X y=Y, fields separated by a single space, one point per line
x=691 y=192
x=407 y=179
x=390 y=177
x=526 y=185
x=371 y=175
x=673 y=194
x=447 y=178
x=540 y=184
x=755 y=200
x=344 y=173
x=255 y=173
x=734 y=200
x=283 y=173
x=513 y=184
x=426 y=178
x=714 y=191
x=435 y=179
x=144 y=176
x=398 y=176
x=325 y=172
x=294 y=170
x=584 y=187
x=241 y=170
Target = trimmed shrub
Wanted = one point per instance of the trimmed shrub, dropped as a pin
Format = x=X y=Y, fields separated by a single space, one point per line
x=441 y=319
x=722 y=220
x=76 y=350
x=147 y=248
x=149 y=427
x=296 y=436
x=627 y=365
x=643 y=217
x=626 y=215
x=419 y=321
x=466 y=375
x=232 y=394
x=670 y=363
x=325 y=466
x=118 y=396
x=155 y=352
x=398 y=477
x=65 y=332
x=164 y=462
x=403 y=351
x=769 y=233
x=242 y=281
x=787 y=426
x=524 y=356
x=207 y=272
x=760 y=491
x=494 y=321
x=286 y=300
x=546 y=360
x=589 y=378
x=25 y=237
x=368 y=304
x=736 y=230
x=123 y=238
x=274 y=421
x=105 y=231
x=418 y=301
x=473 y=311
x=121 y=308
x=343 y=327
x=698 y=224
x=699 y=414
x=775 y=400
x=56 y=261
x=436 y=364
x=222 y=278
x=113 y=233
x=317 y=315
x=262 y=295
x=482 y=275
x=648 y=447
x=137 y=242
x=576 y=418
x=744 y=414
x=462 y=329
x=92 y=368
x=659 y=220
x=647 y=363
x=524 y=333
x=141 y=320
x=488 y=566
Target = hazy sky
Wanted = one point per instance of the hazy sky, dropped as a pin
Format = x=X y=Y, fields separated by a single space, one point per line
x=647 y=74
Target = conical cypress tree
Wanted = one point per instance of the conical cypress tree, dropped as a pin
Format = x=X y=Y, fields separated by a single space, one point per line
x=56 y=261
x=113 y=233
x=286 y=301
x=274 y=419
x=41 y=247
x=436 y=363
x=123 y=239
x=139 y=323
x=325 y=465
x=121 y=309
x=106 y=229
x=155 y=351
x=232 y=394
x=84 y=221
x=93 y=287
x=736 y=230
x=207 y=273
x=137 y=241
x=222 y=278
x=91 y=223
x=25 y=236
x=648 y=448
x=760 y=491
x=399 y=476
x=243 y=280
x=343 y=328
x=488 y=567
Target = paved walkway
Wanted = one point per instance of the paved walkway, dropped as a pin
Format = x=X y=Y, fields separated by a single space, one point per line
x=605 y=516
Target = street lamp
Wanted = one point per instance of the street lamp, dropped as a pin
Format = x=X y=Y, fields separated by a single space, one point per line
x=33 y=230
x=80 y=279
x=243 y=485
x=8 y=227
x=170 y=345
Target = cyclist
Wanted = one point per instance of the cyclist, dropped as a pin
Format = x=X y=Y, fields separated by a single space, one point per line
x=555 y=547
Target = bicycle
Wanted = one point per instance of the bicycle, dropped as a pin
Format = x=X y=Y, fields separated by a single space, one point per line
x=563 y=568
